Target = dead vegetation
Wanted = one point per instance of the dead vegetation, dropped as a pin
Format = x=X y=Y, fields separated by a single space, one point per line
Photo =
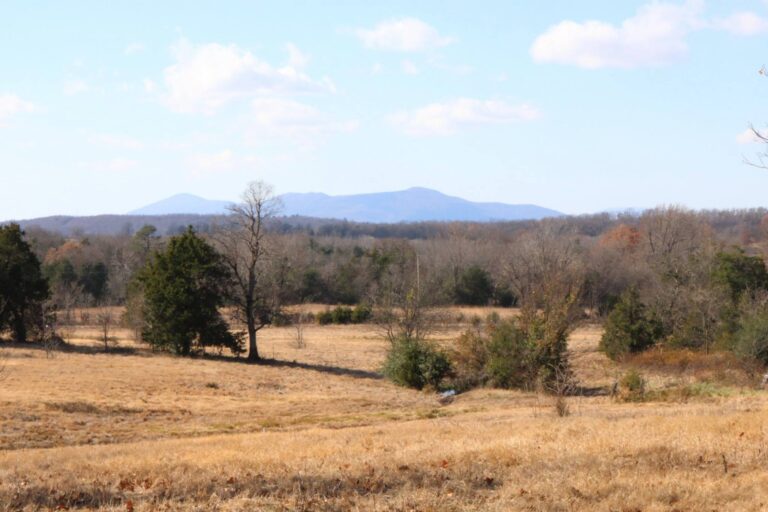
x=316 y=428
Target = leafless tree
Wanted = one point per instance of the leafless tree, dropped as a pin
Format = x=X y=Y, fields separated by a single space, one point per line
x=106 y=319
x=299 y=325
x=245 y=247
x=403 y=295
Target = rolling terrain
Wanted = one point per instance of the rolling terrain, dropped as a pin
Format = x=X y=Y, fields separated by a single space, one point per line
x=319 y=429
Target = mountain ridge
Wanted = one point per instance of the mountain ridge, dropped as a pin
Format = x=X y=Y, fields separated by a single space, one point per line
x=416 y=204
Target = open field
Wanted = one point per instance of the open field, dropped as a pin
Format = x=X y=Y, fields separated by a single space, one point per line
x=318 y=429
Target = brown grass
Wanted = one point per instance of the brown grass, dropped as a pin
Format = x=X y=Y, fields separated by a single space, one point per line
x=319 y=430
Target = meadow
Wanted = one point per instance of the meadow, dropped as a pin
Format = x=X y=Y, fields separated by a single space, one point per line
x=318 y=428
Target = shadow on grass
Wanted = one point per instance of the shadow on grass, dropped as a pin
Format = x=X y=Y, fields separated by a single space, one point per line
x=321 y=368
x=68 y=348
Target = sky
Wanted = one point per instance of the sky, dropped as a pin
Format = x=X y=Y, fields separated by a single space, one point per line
x=576 y=106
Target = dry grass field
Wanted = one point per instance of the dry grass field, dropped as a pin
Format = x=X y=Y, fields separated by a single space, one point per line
x=318 y=429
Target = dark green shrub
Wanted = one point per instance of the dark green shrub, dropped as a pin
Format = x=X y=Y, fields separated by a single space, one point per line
x=342 y=315
x=510 y=354
x=361 y=314
x=281 y=320
x=740 y=273
x=629 y=327
x=505 y=298
x=474 y=287
x=512 y=361
x=324 y=317
x=415 y=364
x=751 y=338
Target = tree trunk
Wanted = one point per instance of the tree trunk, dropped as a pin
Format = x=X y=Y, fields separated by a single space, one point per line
x=19 y=328
x=253 y=351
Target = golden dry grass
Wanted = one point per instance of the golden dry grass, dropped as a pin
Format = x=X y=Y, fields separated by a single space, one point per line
x=321 y=431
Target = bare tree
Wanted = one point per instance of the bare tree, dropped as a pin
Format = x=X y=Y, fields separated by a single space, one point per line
x=106 y=320
x=299 y=326
x=403 y=294
x=246 y=252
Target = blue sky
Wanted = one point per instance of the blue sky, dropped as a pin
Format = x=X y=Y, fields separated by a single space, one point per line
x=577 y=106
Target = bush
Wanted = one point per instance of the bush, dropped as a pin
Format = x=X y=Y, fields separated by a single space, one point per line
x=629 y=327
x=474 y=288
x=281 y=320
x=509 y=355
x=345 y=315
x=631 y=387
x=470 y=357
x=361 y=314
x=324 y=317
x=511 y=358
x=751 y=339
x=415 y=364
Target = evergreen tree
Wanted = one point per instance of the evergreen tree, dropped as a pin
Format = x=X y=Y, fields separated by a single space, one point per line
x=22 y=285
x=629 y=327
x=184 y=286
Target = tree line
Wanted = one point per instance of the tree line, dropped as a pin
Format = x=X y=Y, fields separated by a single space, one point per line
x=669 y=276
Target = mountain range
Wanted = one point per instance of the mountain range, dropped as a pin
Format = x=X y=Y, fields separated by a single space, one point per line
x=412 y=205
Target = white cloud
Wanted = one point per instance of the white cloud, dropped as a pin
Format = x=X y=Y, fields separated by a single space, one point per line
x=296 y=57
x=377 y=68
x=448 y=118
x=205 y=77
x=655 y=36
x=743 y=23
x=149 y=85
x=10 y=105
x=115 y=141
x=287 y=118
x=748 y=137
x=114 y=165
x=202 y=164
x=409 y=68
x=206 y=163
x=403 y=35
x=75 y=86
x=134 y=48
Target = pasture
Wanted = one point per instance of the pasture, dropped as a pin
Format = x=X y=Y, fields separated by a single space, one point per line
x=319 y=429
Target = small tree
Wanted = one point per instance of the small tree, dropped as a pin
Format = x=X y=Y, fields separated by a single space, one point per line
x=474 y=287
x=183 y=290
x=22 y=285
x=106 y=320
x=299 y=326
x=630 y=327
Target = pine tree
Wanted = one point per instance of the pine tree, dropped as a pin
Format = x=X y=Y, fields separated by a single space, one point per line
x=184 y=287
x=22 y=285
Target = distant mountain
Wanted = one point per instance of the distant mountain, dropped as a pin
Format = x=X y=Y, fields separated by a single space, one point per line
x=412 y=205
x=184 y=203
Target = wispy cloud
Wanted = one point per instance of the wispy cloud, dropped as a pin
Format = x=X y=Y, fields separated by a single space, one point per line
x=655 y=36
x=208 y=76
x=272 y=117
x=115 y=141
x=113 y=165
x=748 y=136
x=75 y=86
x=10 y=105
x=743 y=23
x=204 y=164
x=134 y=48
x=403 y=35
x=450 y=117
x=409 y=68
